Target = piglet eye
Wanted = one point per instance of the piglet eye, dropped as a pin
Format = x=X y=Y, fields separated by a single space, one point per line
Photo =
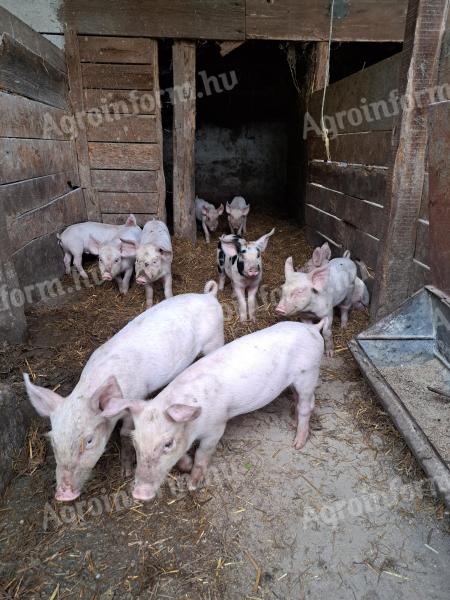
x=146 y=264
x=89 y=441
x=169 y=445
x=117 y=260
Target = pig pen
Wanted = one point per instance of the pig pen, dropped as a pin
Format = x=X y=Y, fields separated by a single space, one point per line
x=350 y=516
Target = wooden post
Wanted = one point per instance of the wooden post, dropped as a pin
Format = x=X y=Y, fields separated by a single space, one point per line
x=76 y=103
x=425 y=24
x=320 y=66
x=184 y=139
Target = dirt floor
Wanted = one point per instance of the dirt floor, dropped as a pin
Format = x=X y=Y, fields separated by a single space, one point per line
x=350 y=516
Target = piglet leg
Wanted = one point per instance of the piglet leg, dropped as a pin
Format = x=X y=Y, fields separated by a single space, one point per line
x=242 y=303
x=149 y=295
x=252 y=303
x=305 y=406
x=168 y=286
x=185 y=463
x=203 y=457
x=126 y=447
x=205 y=231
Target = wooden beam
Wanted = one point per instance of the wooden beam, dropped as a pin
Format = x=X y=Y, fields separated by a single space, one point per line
x=184 y=139
x=81 y=144
x=423 y=35
x=439 y=186
x=320 y=66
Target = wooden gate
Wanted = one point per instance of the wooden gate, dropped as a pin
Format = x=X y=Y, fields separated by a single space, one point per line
x=114 y=93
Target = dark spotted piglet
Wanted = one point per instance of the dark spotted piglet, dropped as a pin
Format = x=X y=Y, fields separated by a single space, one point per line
x=241 y=261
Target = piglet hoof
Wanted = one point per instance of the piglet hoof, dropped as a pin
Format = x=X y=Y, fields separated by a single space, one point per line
x=149 y=304
x=124 y=292
x=329 y=353
x=300 y=441
x=84 y=275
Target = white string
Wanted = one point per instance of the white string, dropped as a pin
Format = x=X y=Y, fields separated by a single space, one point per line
x=327 y=77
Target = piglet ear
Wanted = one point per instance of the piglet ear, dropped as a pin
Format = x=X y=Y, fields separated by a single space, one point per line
x=317 y=257
x=114 y=406
x=93 y=245
x=319 y=277
x=263 y=241
x=288 y=267
x=229 y=247
x=128 y=248
x=131 y=221
x=205 y=210
x=246 y=210
x=220 y=210
x=228 y=207
x=182 y=413
x=44 y=401
x=103 y=394
x=326 y=251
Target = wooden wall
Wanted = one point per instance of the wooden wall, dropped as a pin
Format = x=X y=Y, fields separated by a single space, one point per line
x=345 y=196
x=39 y=183
x=114 y=81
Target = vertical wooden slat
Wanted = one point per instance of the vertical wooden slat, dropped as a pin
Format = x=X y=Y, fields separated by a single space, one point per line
x=184 y=139
x=160 y=179
x=423 y=34
x=81 y=144
x=320 y=66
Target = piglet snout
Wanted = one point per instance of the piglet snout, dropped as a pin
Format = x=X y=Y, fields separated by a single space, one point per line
x=107 y=277
x=280 y=309
x=66 y=491
x=141 y=280
x=144 y=493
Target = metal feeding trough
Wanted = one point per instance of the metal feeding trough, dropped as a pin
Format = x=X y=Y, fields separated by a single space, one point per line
x=405 y=357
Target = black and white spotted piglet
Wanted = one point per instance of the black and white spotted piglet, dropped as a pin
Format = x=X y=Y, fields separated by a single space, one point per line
x=241 y=261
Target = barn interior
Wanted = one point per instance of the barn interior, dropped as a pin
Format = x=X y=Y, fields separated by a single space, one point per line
x=107 y=110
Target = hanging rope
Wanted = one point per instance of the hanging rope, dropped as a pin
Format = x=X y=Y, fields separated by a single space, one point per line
x=327 y=77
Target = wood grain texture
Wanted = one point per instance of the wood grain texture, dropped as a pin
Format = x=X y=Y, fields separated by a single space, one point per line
x=104 y=49
x=119 y=218
x=24 y=159
x=139 y=102
x=22 y=196
x=104 y=155
x=126 y=128
x=363 y=215
x=344 y=105
x=360 y=181
x=38 y=263
x=76 y=102
x=198 y=19
x=25 y=118
x=422 y=249
x=108 y=180
x=122 y=77
x=370 y=148
x=419 y=70
x=53 y=216
x=184 y=58
x=32 y=40
x=439 y=184
x=121 y=202
x=366 y=20
x=25 y=73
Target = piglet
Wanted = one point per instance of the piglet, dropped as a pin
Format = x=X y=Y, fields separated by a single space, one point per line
x=141 y=358
x=75 y=241
x=208 y=215
x=114 y=260
x=241 y=261
x=313 y=295
x=240 y=377
x=153 y=258
x=237 y=211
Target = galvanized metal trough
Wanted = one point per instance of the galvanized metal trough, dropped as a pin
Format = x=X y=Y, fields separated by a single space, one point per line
x=405 y=357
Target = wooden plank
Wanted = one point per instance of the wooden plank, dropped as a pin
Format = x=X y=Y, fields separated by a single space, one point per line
x=41 y=260
x=439 y=182
x=122 y=77
x=81 y=144
x=18 y=198
x=361 y=245
x=106 y=49
x=53 y=216
x=184 y=57
x=136 y=157
x=138 y=102
x=126 y=128
x=121 y=202
x=197 y=19
x=425 y=25
x=24 y=118
x=366 y=20
x=360 y=181
x=420 y=276
x=424 y=208
x=371 y=148
x=321 y=74
x=120 y=218
x=24 y=159
x=160 y=178
x=365 y=216
x=34 y=41
x=360 y=102
x=422 y=250
x=27 y=74
x=124 y=181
